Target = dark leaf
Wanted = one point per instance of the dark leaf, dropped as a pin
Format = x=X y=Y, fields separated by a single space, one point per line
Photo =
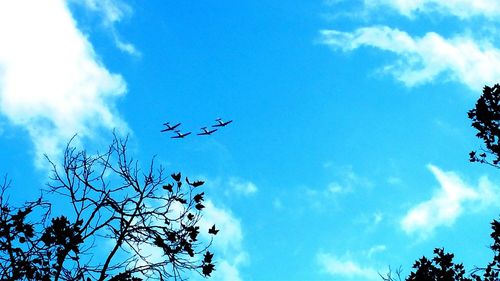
x=176 y=177
x=207 y=258
x=198 y=183
x=212 y=230
x=168 y=187
x=198 y=197
x=207 y=269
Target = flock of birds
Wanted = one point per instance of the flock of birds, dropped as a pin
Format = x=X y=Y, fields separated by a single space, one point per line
x=205 y=131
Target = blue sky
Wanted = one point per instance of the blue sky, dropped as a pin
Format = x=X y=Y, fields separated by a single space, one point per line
x=349 y=147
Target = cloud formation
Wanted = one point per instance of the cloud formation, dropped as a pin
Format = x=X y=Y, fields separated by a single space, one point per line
x=376 y=249
x=51 y=81
x=240 y=186
x=228 y=244
x=463 y=9
x=345 y=268
x=112 y=12
x=424 y=59
x=449 y=202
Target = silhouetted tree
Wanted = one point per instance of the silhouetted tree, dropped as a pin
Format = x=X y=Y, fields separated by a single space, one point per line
x=442 y=267
x=485 y=118
x=118 y=216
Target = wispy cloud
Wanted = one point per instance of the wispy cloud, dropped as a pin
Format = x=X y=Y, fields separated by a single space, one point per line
x=347 y=180
x=424 y=59
x=240 y=186
x=51 y=81
x=322 y=197
x=228 y=243
x=448 y=203
x=112 y=12
x=463 y=9
x=377 y=217
x=375 y=249
x=345 y=268
x=231 y=186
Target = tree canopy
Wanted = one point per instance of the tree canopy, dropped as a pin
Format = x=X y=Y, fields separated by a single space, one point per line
x=485 y=117
x=121 y=223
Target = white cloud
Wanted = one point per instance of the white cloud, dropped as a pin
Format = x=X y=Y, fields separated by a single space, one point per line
x=448 y=203
x=112 y=12
x=346 y=268
x=376 y=249
x=335 y=187
x=394 y=180
x=425 y=59
x=126 y=47
x=227 y=272
x=51 y=81
x=459 y=8
x=243 y=187
x=377 y=217
x=228 y=243
x=347 y=180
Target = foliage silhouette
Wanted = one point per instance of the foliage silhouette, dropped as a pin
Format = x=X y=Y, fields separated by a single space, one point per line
x=442 y=268
x=485 y=117
x=119 y=215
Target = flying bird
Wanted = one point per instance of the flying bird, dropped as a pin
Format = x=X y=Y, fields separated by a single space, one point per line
x=170 y=128
x=180 y=135
x=206 y=132
x=221 y=123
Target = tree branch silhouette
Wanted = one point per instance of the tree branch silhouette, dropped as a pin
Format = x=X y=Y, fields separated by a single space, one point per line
x=112 y=203
x=485 y=118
